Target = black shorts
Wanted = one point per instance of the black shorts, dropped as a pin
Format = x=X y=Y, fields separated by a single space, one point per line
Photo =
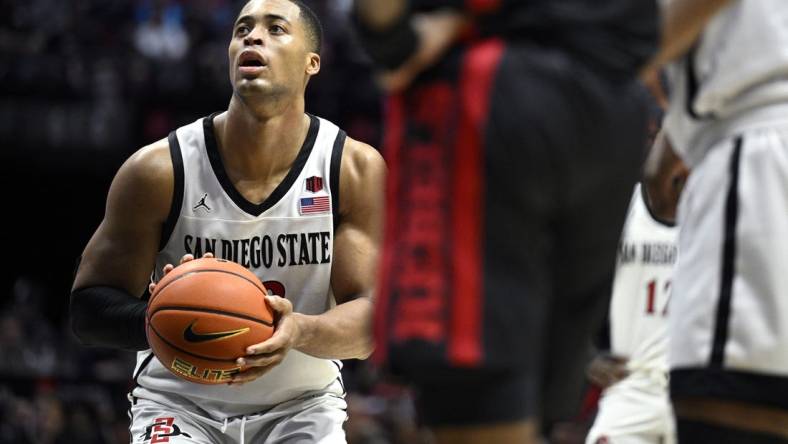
x=507 y=191
x=696 y=432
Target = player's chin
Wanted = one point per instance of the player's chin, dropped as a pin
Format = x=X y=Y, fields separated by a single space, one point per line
x=252 y=87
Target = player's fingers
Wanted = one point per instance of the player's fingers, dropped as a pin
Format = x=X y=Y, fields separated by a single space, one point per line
x=187 y=258
x=250 y=374
x=395 y=81
x=621 y=360
x=261 y=360
x=151 y=287
x=208 y=255
x=598 y=379
x=167 y=268
x=620 y=373
x=276 y=342
x=280 y=305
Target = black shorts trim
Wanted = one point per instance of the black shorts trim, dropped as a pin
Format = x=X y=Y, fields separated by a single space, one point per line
x=339 y=377
x=477 y=397
x=177 y=190
x=722 y=320
x=755 y=388
x=697 y=432
x=693 y=85
x=335 y=168
x=142 y=367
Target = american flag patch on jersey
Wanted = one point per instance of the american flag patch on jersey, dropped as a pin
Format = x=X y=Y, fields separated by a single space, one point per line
x=313 y=205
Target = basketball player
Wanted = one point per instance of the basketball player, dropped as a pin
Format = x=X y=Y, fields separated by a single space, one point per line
x=635 y=405
x=277 y=190
x=511 y=139
x=728 y=119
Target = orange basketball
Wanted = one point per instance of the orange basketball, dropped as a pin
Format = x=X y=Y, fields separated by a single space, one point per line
x=202 y=316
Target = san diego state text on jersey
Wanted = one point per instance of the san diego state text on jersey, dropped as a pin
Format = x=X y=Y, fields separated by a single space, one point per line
x=282 y=250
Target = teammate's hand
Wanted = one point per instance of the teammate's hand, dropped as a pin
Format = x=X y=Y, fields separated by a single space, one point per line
x=169 y=267
x=437 y=32
x=262 y=357
x=606 y=370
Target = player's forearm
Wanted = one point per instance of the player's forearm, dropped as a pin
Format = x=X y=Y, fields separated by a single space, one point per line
x=682 y=23
x=108 y=317
x=344 y=332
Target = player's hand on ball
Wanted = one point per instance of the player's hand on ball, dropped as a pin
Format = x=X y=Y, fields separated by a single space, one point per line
x=169 y=267
x=262 y=357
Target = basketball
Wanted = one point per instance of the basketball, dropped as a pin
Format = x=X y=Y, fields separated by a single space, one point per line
x=202 y=316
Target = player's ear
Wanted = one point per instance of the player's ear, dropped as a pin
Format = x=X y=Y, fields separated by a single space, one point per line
x=312 y=64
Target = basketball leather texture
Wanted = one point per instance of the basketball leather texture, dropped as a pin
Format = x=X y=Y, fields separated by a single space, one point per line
x=203 y=315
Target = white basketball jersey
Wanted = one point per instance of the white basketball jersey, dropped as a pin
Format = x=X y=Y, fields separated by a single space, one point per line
x=641 y=288
x=287 y=241
x=739 y=65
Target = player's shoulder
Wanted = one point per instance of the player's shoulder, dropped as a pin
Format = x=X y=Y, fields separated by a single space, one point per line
x=362 y=176
x=359 y=158
x=146 y=177
x=151 y=163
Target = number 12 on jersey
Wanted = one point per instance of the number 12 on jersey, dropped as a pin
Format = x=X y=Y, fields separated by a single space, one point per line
x=655 y=294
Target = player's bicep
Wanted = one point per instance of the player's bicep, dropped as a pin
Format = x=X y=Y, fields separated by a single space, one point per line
x=122 y=251
x=358 y=238
x=117 y=258
x=355 y=263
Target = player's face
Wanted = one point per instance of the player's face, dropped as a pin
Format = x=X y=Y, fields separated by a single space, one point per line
x=269 y=51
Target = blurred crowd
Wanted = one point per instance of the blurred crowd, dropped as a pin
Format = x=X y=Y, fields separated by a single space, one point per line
x=95 y=75
x=51 y=389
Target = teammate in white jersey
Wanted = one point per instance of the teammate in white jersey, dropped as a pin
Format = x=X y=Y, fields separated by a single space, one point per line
x=285 y=194
x=728 y=119
x=635 y=406
x=636 y=409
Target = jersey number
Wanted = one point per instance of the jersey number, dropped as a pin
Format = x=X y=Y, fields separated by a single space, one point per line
x=275 y=288
x=652 y=296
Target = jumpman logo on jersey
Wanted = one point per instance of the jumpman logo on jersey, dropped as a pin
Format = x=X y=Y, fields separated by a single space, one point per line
x=202 y=204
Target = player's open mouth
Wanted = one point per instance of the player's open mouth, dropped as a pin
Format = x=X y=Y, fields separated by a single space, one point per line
x=251 y=62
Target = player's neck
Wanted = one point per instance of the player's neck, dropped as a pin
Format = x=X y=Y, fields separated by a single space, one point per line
x=258 y=143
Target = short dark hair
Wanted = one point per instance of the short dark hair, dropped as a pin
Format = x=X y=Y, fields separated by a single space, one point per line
x=314 y=29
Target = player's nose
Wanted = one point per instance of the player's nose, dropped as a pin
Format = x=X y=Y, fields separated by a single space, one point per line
x=255 y=37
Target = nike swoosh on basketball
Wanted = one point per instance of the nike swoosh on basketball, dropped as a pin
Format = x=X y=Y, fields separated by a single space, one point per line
x=192 y=336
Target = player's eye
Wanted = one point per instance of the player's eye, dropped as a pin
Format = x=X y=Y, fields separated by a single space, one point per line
x=276 y=29
x=242 y=30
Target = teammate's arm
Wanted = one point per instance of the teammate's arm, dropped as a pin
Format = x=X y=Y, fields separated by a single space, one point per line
x=664 y=178
x=406 y=44
x=344 y=332
x=682 y=23
x=116 y=264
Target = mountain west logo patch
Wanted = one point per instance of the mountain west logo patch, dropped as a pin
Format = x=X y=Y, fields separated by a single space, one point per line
x=314 y=184
x=161 y=430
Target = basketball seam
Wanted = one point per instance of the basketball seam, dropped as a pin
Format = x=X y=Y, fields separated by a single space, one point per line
x=209 y=310
x=159 y=290
x=207 y=358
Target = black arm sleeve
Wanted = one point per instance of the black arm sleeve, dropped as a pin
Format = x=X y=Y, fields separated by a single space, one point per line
x=108 y=317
